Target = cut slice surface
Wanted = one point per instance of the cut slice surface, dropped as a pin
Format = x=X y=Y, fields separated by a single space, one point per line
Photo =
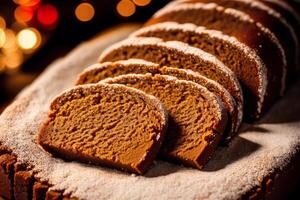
x=244 y=28
x=98 y=72
x=242 y=60
x=269 y=18
x=178 y=55
x=197 y=116
x=109 y=125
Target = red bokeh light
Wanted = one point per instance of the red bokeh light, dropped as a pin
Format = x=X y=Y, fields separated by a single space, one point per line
x=47 y=15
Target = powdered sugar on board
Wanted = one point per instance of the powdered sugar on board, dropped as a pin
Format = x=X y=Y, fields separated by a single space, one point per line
x=249 y=158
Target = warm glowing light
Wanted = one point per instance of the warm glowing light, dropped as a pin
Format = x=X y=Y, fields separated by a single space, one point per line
x=14 y=60
x=141 y=2
x=29 y=38
x=47 y=15
x=10 y=41
x=2 y=64
x=2 y=23
x=84 y=12
x=23 y=15
x=126 y=8
x=2 y=37
x=27 y=3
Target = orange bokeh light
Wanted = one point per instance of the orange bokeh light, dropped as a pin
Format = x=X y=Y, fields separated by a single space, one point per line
x=47 y=15
x=28 y=3
x=126 y=8
x=23 y=15
x=141 y=2
x=84 y=12
x=2 y=23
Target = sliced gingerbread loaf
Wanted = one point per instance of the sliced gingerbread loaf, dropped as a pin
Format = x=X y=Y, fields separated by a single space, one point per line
x=178 y=55
x=269 y=18
x=242 y=60
x=98 y=72
x=197 y=117
x=241 y=26
x=109 y=125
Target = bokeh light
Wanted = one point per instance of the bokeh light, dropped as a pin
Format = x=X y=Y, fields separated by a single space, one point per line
x=141 y=2
x=10 y=42
x=84 y=12
x=27 y=3
x=2 y=23
x=29 y=39
x=47 y=15
x=2 y=37
x=2 y=63
x=126 y=8
x=23 y=15
x=14 y=60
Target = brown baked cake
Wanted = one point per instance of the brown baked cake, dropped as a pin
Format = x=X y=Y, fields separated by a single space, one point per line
x=197 y=117
x=178 y=55
x=270 y=19
x=109 y=125
x=98 y=72
x=241 y=26
x=242 y=60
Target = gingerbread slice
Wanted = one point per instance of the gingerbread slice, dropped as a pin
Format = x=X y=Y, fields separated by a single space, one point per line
x=270 y=19
x=98 y=72
x=240 y=25
x=108 y=125
x=242 y=60
x=197 y=117
x=178 y=55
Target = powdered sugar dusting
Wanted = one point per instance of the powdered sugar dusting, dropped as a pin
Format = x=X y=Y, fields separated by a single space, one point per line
x=178 y=46
x=200 y=30
x=259 y=153
x=68 y=95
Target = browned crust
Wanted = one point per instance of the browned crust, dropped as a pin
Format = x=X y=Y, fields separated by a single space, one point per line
x=17 y=181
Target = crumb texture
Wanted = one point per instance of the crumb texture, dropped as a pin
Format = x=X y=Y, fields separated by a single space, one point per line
x=118 y=127
x=197 y=118
x=98 y=72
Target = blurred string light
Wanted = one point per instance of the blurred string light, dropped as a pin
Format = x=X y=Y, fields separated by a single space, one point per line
x=23 y=15
x=2 y=37
x=10 y=41
x=84 y=12
x=28 y=3
x=142 y=2
x=2 y=23
x=47 y=16
x=14 y=60
x=19 y=40
x=126 y=8
x=29 y=39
